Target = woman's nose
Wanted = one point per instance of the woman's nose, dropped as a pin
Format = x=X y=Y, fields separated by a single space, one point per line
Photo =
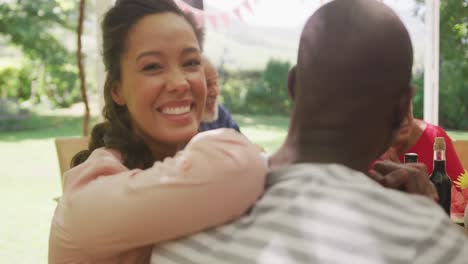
x=177 y=82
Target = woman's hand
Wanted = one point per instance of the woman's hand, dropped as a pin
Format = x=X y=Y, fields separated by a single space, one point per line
x=391 y=154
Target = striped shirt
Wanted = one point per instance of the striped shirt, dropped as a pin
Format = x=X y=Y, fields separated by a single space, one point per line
x=326 y=214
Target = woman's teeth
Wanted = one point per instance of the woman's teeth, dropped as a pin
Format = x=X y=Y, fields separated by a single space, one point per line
x=176 y=110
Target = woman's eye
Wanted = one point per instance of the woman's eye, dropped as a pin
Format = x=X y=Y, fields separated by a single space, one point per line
x=151 y=67
x=192 y=63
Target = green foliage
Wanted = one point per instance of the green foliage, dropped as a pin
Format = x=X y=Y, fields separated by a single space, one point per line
x=31 y=26
x=270 y=95
x=15 y=83
x=259 y=92
x=453 y=83
x=418 y=99
x=235 y=88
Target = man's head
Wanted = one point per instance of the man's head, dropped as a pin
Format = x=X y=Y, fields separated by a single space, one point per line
x=351 y=82
x=211 y=108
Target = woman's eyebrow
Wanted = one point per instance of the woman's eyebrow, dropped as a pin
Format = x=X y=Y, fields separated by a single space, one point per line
x=190 y=50
x=149 y=53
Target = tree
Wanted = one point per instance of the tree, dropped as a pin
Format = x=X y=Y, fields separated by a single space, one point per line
x=30 y=25
x=453 y=63
x=81 y=69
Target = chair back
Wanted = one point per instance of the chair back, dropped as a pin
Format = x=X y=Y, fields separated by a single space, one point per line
x=461 y=147
x=66 y=148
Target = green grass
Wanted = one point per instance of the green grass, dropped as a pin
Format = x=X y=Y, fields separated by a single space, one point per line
x=30 y=178
x=267 y=131
x=458 y=135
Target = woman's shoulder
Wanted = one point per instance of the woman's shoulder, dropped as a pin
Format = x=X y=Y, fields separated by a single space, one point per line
x=228 y=143
x=434 y=130
x=106 y=153
x=217 y=136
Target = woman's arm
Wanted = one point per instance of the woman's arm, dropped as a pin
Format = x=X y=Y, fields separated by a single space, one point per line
x=107 y=209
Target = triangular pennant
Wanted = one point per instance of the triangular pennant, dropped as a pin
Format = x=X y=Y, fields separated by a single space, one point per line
x=238 y=13
x=248 y=6
x=213 y=22
x=225 y=19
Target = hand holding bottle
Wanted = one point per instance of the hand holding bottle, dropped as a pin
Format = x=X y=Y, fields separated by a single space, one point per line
x=411 y=177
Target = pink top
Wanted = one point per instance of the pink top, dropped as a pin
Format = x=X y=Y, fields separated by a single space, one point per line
x=110 y=214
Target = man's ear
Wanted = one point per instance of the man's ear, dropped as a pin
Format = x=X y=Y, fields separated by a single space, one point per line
x=117 y=95
x=292 y=82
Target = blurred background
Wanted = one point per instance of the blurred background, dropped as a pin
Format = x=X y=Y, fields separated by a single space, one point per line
x=253 y=43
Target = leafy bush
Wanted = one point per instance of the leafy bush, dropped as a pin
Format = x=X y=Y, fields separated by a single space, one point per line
x=15 y=83
x=254 y=92
x=38 y=29
x=12 y=115
x=235 y=88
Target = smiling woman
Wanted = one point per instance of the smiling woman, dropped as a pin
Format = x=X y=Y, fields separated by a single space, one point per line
x=162 y=82
x=130 y=189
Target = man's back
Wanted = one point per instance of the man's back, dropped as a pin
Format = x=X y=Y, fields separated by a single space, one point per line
x=327 y=214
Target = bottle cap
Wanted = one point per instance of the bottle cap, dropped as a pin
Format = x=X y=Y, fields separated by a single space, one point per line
x=411 y=157
x=439 y=144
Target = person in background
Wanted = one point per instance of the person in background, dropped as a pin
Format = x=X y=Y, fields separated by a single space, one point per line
x=133 y=187
x=215 y=115
x=351 y=94
x=417 y=136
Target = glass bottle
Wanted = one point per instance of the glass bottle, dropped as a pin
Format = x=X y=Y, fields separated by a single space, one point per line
x=439 y=175
x=411 y=158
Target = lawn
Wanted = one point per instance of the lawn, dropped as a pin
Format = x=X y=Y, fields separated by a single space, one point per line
x=30 y=178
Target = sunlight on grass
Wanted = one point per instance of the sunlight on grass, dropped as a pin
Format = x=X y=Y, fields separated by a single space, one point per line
x=266 y=131
x=29 y=181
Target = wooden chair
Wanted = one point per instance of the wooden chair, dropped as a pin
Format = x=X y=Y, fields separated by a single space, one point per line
x=461 y=147
x=66 y=148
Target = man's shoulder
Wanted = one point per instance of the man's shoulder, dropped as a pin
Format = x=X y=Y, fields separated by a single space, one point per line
x=337 y=184
x=319 y=173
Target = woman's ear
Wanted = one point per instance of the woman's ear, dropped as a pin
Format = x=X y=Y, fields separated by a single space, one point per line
x=117 y=95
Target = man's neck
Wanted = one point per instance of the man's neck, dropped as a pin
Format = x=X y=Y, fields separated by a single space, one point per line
x=323 y=147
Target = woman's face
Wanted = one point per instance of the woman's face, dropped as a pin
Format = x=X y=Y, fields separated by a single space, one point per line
x=162 y=81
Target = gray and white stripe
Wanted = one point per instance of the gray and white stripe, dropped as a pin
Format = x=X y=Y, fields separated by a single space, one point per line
x=326 y=214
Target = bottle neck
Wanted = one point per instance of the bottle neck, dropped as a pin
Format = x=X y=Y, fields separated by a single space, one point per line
x=439 y=155
x=439 y=160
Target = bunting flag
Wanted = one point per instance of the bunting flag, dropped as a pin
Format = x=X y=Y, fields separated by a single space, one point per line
x=248 y=6
x=213 y=21
x=215 y=17
x=238 y=13
x=225 y=19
